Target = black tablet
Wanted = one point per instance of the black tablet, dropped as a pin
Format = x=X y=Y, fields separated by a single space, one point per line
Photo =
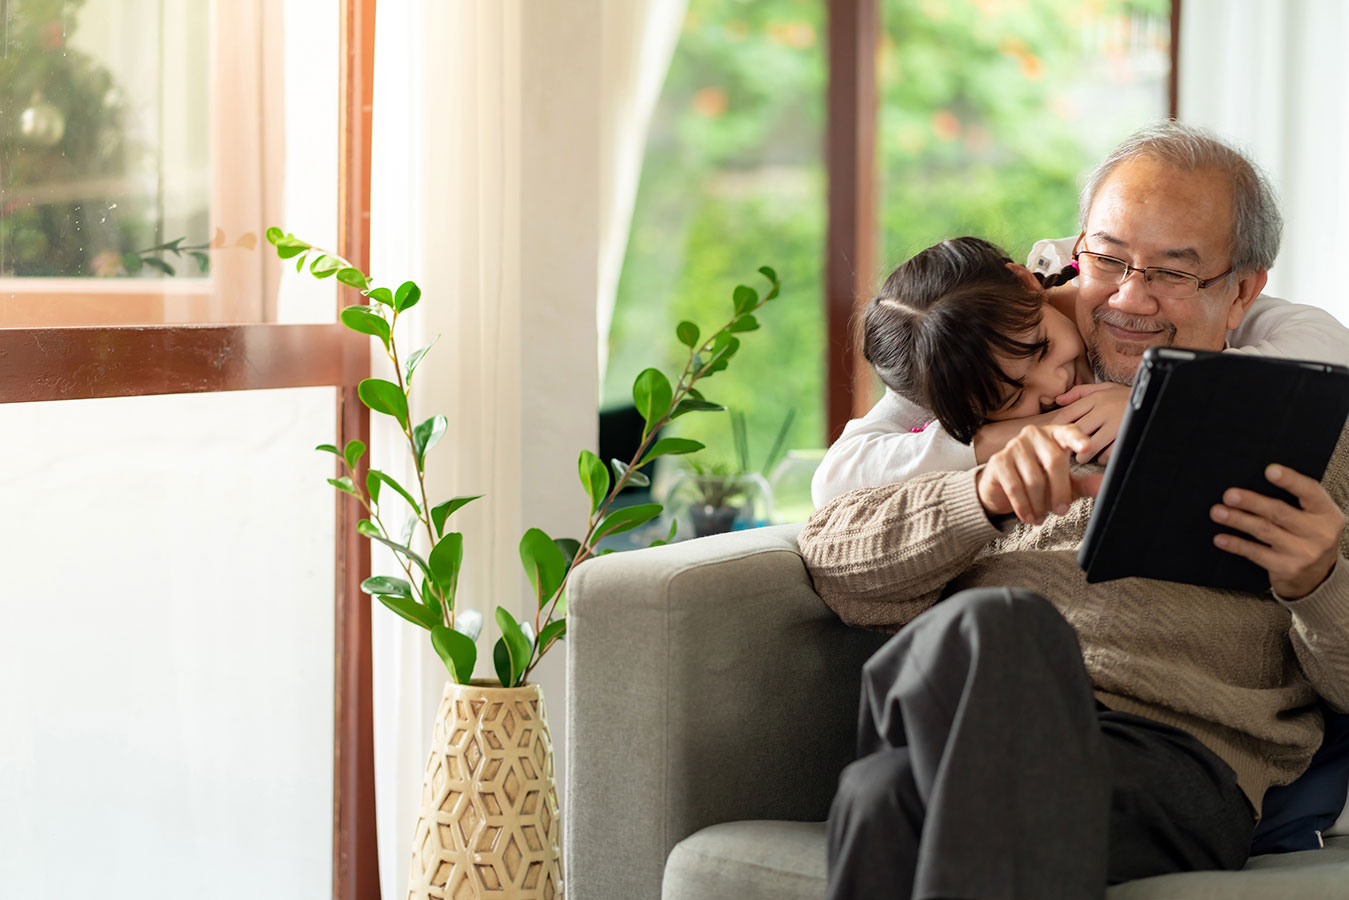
x=1199 y=423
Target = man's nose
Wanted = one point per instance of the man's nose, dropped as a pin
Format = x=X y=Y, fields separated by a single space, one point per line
x=1134 y=295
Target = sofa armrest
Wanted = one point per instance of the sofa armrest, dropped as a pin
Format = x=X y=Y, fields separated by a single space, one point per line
x=706 y=682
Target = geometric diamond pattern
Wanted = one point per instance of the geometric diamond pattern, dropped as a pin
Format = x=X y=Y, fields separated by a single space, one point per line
x=489 y=824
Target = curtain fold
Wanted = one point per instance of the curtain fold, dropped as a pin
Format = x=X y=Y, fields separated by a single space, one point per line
x=507 y=141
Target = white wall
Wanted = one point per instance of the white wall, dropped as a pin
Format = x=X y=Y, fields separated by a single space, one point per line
x=1272 y=76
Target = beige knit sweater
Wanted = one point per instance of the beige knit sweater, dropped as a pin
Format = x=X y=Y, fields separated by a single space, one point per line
x=1238 y=671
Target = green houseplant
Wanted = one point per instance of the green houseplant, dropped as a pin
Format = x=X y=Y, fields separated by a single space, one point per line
x=489 y=822
x=425 y=592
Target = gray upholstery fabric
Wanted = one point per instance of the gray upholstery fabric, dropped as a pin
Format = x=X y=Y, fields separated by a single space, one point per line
x=708 y=684
x=785 y=861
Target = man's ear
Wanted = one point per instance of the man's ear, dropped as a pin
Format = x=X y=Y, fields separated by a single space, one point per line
x=1248 y=288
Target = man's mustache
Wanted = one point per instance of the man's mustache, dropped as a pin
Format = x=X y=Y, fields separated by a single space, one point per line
x=1103 y=315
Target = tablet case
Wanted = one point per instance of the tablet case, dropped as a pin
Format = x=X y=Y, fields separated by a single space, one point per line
x=1198 y=423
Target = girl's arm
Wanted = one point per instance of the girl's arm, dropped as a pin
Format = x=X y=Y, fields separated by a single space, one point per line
x=893 y=442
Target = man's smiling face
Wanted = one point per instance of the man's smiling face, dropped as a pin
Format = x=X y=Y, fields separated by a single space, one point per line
x=1149 y=213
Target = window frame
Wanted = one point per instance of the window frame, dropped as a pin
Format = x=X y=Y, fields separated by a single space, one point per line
x=82 y=362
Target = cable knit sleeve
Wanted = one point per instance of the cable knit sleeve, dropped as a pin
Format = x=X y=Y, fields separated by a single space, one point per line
x=1320 y=632
x=881 y=556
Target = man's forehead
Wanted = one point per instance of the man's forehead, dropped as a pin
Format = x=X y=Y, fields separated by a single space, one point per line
x=1149 y=208
x=1105 y=241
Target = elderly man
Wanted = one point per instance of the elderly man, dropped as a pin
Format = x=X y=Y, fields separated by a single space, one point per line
x=1026 y=734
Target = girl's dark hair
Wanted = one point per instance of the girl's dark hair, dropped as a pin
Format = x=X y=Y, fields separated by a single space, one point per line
x=932 y=331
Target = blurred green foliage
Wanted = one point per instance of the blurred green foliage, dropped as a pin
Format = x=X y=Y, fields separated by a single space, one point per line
x=990 y=113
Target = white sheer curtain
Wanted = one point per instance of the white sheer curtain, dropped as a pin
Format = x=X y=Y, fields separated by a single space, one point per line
x=1272 y=76
x=507 y=141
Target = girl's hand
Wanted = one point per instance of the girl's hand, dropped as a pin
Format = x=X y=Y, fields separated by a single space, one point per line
x=1297 y=545
x=1097 y=409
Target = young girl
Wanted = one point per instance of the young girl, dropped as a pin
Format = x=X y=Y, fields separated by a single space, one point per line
x=963 y=331
x=971 y=352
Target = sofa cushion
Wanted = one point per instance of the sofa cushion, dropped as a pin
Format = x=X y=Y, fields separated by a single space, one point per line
x=786 y=861
x=1294 y=813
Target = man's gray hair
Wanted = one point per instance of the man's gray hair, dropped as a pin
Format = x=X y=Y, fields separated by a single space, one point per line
x=1256 y=222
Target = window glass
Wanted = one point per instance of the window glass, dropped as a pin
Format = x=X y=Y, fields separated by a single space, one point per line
x=144 y=148
x=167 y=648
x=733 y=179
x=993 y=111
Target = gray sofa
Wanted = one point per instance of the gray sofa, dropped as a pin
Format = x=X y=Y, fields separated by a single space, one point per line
x=711 y=703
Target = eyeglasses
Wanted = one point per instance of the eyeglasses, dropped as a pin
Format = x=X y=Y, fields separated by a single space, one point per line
x=1168 y=283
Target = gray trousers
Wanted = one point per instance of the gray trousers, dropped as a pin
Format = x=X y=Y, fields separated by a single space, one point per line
x=986 y=769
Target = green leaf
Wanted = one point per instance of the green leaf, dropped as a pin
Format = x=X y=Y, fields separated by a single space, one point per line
x=345 y=484
x=329 y=448
x=745 y=299
x=670 y=447
x=411 y=610
x=468 y=622
x=367 y=528
x=299 y=264
x=552 y=631
x=324 y=265
x=635 y=478
x=594 y=478
x=569 y=547
x=518 y=647
x=627 y=518
x=377 y=475
x=406 y=296
x=446 y=558
x=744 y=323
x=408 y=527
x=156 y=263
x=290 y=245
x=501 y=661
x=353 y=453
x=372 y=483
x=353 y=276
x=544 y=563
x=410 y=365
x=769 y=274
x=132 y=263
x=381 y=295
x=652 y=393
x=403 y=550
x=427 y=435
x=457 y=650
x=688 y=334
x=367 y=321
x=203 y=261
x=693 y=404
x=723 y=348
x=273 y=234
x=386 y=584
x=384 y=397
x=669 y=535
x=443 y=511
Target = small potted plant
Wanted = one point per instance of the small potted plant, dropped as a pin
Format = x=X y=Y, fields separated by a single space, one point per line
x=490 y=770
x=719 y=497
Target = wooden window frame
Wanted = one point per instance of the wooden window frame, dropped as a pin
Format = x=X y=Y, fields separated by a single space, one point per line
x=850 y=159
x=69 y=363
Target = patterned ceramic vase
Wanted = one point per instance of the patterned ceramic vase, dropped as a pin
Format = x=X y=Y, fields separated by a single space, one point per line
x=489 y=824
